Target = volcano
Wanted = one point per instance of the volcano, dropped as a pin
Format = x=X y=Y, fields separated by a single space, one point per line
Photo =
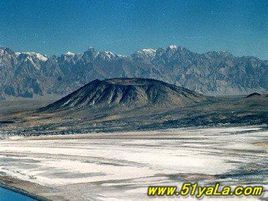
x=126 y=92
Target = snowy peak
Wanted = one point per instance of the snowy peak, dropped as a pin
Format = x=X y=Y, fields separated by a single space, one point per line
x=148 y=52
x=106 y=55
x=71 y=54
x=31 y=55
x=173 y=47
x=109 y=54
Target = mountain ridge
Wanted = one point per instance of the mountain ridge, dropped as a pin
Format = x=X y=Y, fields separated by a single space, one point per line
x=31 y=74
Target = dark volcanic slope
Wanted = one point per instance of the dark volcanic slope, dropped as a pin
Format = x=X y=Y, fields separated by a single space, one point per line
x=127 y=92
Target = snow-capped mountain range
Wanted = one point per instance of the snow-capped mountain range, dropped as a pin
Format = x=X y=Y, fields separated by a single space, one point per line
x=30 y=74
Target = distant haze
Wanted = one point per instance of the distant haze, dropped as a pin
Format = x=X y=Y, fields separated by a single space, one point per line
x=54 y=27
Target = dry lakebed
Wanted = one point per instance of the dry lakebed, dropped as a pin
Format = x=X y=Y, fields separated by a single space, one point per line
x=120 y=166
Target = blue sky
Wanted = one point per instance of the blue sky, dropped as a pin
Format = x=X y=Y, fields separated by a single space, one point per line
x=55 y=27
